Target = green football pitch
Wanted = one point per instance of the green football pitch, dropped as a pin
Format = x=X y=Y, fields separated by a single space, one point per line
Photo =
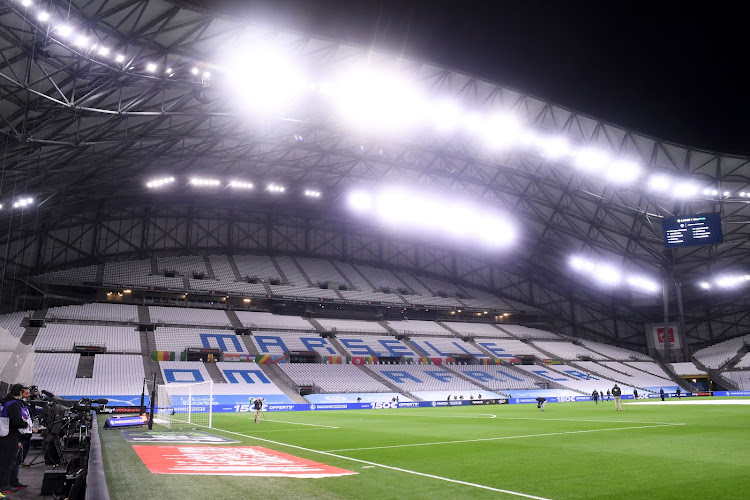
x=571 y=450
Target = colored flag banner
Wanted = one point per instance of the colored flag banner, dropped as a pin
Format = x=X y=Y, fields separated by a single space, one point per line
x=162 y=355
x=270 y=359
x=333 y=360
x=232 y=461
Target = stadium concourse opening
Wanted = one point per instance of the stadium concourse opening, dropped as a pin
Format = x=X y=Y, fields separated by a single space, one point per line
x=264 y=254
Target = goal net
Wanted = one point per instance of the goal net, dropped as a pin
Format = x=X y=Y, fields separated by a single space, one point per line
x=183 y=406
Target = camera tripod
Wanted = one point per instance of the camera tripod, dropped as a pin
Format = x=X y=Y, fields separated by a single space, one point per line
x=56 y=440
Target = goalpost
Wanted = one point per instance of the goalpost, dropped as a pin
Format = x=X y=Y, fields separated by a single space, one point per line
x=184 y=406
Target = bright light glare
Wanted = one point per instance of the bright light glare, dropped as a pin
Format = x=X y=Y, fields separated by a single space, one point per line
x=705 y=285
x=623 y=171
x=119 y=58
x=685 y=189
x=731 y=281
x=591 y=160
x=194 y=71
x=241 y=185
x=607 y=274
x=82 y=41
x=44 y=16
x=151 y=67
x=263 y=79
x=275 y=188
x=311 y=193
x=64 y=30
x=435 y=215
x=659 y=183
x=378 y=100
x=103 y=51
x=26 y=3
x=446 y=115
x=553 y=147
x=157 y=183
x=197 y=181
x=23 y=202
x=502 y=131
x=643 y=284
x=581 y=264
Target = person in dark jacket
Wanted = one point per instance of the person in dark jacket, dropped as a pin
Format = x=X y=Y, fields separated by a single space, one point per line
x=617 y=393
x=541 y=403
x=679 y=393
x=10 y=445
x=635 y=393
x=595 y=397
x=661 y=393
x=258 y=406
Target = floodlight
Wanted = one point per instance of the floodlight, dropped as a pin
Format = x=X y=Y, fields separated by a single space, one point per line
x=241 y=184
x=64 y=30
x=197 y=181
x=103 y=51
x=275 y=188
x=312 y=193
x=25 y=3
x=644 y=284
x=82 y=41
x=591 y=160
x=474 y=122
x=659 y=182
x=446 y=115
x=194 y=71
x=685 y=189
x=151 y=67
x=206 y=74
x=581 y=264
x=743 y=194
x=607 y=274
x=119 y=58
x=715 y=192
x=43 y=16
x=169 y=71
x=502 y=131
x=360 y=202
x=726 y=193
x=705 y=285
x=553 y=147
x=623 y=171
x=1 y=206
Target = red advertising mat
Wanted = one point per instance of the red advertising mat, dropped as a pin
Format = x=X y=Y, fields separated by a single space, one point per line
x=232 y=461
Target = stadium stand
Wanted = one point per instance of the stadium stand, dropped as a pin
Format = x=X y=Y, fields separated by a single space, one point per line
x=523 y=332
x=505 y=348
x=113 y=374
x=744 y=362
x=258 y=266
x=183 y=266
x=333 y=378
x=423 y=378
x=121 y=313
x=188 y=316
x=293 y=275
x=613 y=352
x=567 y=350
x=741 y=378
x=178 y=339
x=685 y=369
x=11 y=329
x=64 y=337
x=373 y=345
x=281 y=343
x=717 y=355
x=476 y=329
x=496 y=377
x=417 y=327
x=77 y=274
x=431 y=347
x=320 y=271
x=349 y=325
x=268 y=321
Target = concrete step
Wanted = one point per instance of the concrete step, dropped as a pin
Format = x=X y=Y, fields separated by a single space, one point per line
x=215 y=373
x=209 y=267
x=283 y=382
x=304 y=274
x=234 y=319
x=144 y=317
x=86 y=367
x=235 y=269
x=281 y=273
x=247 y=340
x=344 y=279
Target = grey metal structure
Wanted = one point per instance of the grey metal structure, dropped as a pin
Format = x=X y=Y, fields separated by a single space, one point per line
x=83 y=134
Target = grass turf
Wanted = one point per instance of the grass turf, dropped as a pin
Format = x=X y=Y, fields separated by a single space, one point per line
x=565 y=452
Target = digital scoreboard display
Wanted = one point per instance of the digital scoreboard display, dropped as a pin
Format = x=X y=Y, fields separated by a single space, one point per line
x=692 y=230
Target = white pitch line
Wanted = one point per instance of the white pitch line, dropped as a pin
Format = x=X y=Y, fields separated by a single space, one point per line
x=469 y=415
x=503 y=437
x=383 y=466
x=300 y=423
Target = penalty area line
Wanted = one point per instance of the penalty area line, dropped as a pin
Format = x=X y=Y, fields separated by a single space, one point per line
x=300 y=423
x=504 y=437
x=382 y=466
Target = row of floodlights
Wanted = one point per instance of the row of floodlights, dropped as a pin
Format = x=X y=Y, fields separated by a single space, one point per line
x=269 y=81
x=726 y=282
x=234 y=184
x=83 y=42
x=609 y=275
x=20 y=203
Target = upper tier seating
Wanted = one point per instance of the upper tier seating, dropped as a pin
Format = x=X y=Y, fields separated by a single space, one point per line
x=63 y=337
x=420 y=328
x=567 y=350
x=509 y=348
x=528 y=333
x=476 y=329
x=222 y=268
x=574 y=379
x=258 y=266
x=80 y=274
x=632 y=376
x=179 y=339
x=741 y=378
x=333 y=378
x=320 y=271
x=11 y=330
x=121 y=313
x=188 y=316
x=717 y=355
x=381 y=278
x=684 y=369
x=351 y=325
x=268 y=321
x=293 y=275
x=355 y=278
x=183 y=266
x=650 y=367
x=303 y=291
x=113 y=374
x=744 y=362
x=374 y=345
x=423 y=378
x=280 y=343
x=432 y=347
x=613 y=352
x=497 y=378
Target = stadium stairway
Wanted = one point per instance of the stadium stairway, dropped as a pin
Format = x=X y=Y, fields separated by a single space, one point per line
x=716 y=376
x=387 y=383
x=154 y=267
x=361 y=275
x=283 y=382
x=215 y=373
x=304 y=274
x=144 y=317
x=406 y=287
x=337 y=345
x=506 y=332
x=460 y=375
x=235 y=269
x=734 y=359
x=233 y=319
x=209 y=268
x=186 y=283
x=318 y=327
x=343 y=276
x=247 y=340
x=99 y=274
x=150 y=367
x=672 y=375
x=416 y=278
x=30 y=333
x=453 y=332
x=86 y=366
x=385 y=325
x=279 y=270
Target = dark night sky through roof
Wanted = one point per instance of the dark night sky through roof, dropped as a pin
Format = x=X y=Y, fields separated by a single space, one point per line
x=655 y=68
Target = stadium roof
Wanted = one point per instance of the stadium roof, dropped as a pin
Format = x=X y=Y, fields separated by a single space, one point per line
x=85 y=130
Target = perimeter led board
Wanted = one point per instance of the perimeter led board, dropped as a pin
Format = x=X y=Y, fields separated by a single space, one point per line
x=692 y=230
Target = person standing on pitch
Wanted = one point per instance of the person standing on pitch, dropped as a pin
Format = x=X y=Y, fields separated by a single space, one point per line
x=617 y=393
x=595 y=397
x=635 y=393
x=541 y=403
x=679 y=393
x=661 y=393
x=258 y=406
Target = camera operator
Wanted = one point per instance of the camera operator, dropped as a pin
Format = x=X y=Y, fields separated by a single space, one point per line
x=10 y=444
x=26 y=413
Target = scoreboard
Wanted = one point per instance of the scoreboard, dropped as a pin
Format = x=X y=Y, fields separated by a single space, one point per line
x=692 y=230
